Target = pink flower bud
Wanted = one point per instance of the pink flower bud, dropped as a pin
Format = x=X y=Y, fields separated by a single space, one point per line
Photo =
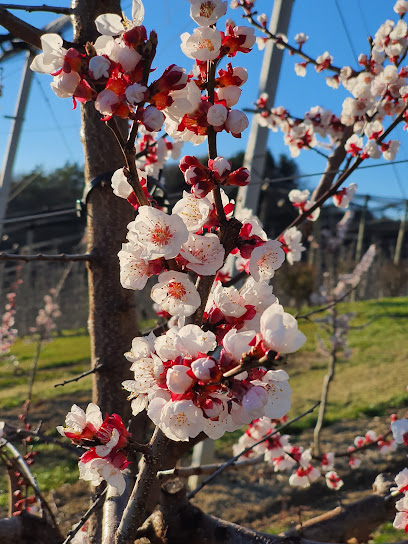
x=152 y=119
x=217 y=115
x=236 y=122
x=220 y=166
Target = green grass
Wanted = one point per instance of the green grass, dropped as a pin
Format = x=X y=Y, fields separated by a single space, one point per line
x=370 y=381
x=60 y=359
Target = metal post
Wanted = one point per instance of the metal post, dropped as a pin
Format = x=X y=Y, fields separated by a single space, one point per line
x=6 y=176
x=248 y=197
x=400 y=238
x=361 y=229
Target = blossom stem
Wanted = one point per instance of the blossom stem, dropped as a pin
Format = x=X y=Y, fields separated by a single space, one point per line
x=293 y=50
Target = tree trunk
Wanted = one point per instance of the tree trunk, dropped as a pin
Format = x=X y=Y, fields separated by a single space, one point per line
x=112 y=316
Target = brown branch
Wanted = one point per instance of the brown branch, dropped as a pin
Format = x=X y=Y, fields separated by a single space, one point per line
x=231 y=461
x=185 y=472
x=41 y=437
x=62 y=258
x=327 y=306
x=83 y=375
x=328 y=378
x=85 y=517
x=293 y=50
x=333 y=165
x=22 y=30
x=27 y=528
x=248 y=362
x=354 y=521
x=30 y=9
x=332 y=191
x=178 y=521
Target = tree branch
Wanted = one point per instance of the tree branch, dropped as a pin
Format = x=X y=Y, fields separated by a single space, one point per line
x=85 y=517
x=22 y=30
x=62 y=258
x=50 y=9
x=185 y=472
x=134 y=513
x=41 y=437
x=83 y=375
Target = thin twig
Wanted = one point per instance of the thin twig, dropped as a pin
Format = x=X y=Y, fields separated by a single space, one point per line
x=293 y=50
x=62 y=257
x=49 y=9
x=328 y=378
x=24 y=469
x=327 y=306
x=185 y=472
x=246 y=450
x=41 y=437
x=32 y=377
x=83 y=375
x=85 y=517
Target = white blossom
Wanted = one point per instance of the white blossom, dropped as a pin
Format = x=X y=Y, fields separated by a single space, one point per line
x=265 y=259
x=280 y=330
x=204 y=44
x=176 y=294
x=159 y=234
x=205 y=254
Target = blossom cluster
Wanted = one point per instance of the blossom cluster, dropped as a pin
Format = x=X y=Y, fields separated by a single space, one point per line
x=262 y=438
x=107 y=459
x=378 y=90
x=399 y=429
x=45 y=320
x=8 y=334
x=180 y=379
x=112 y=73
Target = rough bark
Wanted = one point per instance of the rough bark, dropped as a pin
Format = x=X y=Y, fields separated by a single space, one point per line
x=177 y=521
x=27 y=529
x=112 y=316
x=356 y=520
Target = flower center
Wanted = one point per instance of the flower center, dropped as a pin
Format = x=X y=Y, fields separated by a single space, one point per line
x=206 y=9
x=176 y=290
x=161 y=235
x=205 y=44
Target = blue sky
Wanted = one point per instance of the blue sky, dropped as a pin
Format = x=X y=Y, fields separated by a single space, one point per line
x=51 y=129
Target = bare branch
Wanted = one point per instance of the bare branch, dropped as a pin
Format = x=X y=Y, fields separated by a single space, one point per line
x=133 y=515
x=85 y=517
x=185 y=472
x=83 y=375
x=41 y=437
x=62 y=257
x=13 y=454
x=43 y=7
x=22 y=30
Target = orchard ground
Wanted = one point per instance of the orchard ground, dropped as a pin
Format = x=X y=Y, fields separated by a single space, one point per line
x=366 y=389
